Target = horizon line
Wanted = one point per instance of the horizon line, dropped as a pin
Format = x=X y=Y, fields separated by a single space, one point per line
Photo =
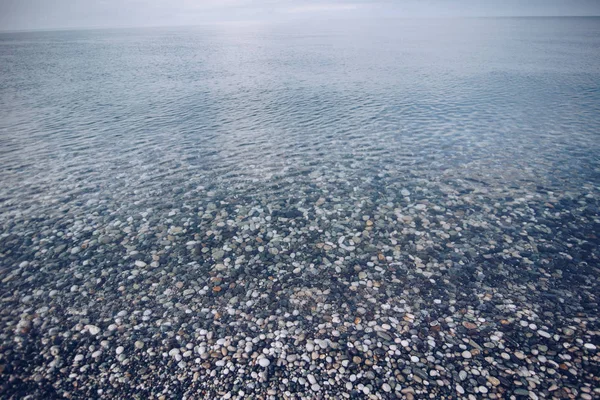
x=100 y=28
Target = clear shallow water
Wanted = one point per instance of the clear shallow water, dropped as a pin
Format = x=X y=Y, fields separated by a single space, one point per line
x=295 y=139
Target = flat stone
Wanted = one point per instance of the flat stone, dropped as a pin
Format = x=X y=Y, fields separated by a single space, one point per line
x=544 y=334
x=469 y=325
x=493 y=380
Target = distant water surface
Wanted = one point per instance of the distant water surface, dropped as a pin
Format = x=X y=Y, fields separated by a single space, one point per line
x=126 y=114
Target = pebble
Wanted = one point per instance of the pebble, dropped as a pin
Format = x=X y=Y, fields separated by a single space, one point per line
x=544 y=334
x=469 y=325
x=93 y=330
x=264 y=362
x=493 y=380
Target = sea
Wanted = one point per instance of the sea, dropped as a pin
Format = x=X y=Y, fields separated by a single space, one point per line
x=325 y=210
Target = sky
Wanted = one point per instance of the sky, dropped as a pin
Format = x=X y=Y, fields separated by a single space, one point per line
x=65 y=14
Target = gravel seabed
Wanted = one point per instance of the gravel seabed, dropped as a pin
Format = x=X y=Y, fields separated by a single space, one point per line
x=439 y=288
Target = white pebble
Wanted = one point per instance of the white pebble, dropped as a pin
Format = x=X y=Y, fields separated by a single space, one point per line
x=264 y=362
x=544 y=334
x=93 y=329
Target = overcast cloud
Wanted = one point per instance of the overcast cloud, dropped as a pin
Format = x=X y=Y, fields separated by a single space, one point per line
x=58 y=14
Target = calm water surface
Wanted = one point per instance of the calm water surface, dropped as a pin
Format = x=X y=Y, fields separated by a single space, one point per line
x=255 y=110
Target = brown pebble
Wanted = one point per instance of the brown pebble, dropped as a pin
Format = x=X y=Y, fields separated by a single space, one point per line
x=469 y=325
x=217 y=289
x=493 y=380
